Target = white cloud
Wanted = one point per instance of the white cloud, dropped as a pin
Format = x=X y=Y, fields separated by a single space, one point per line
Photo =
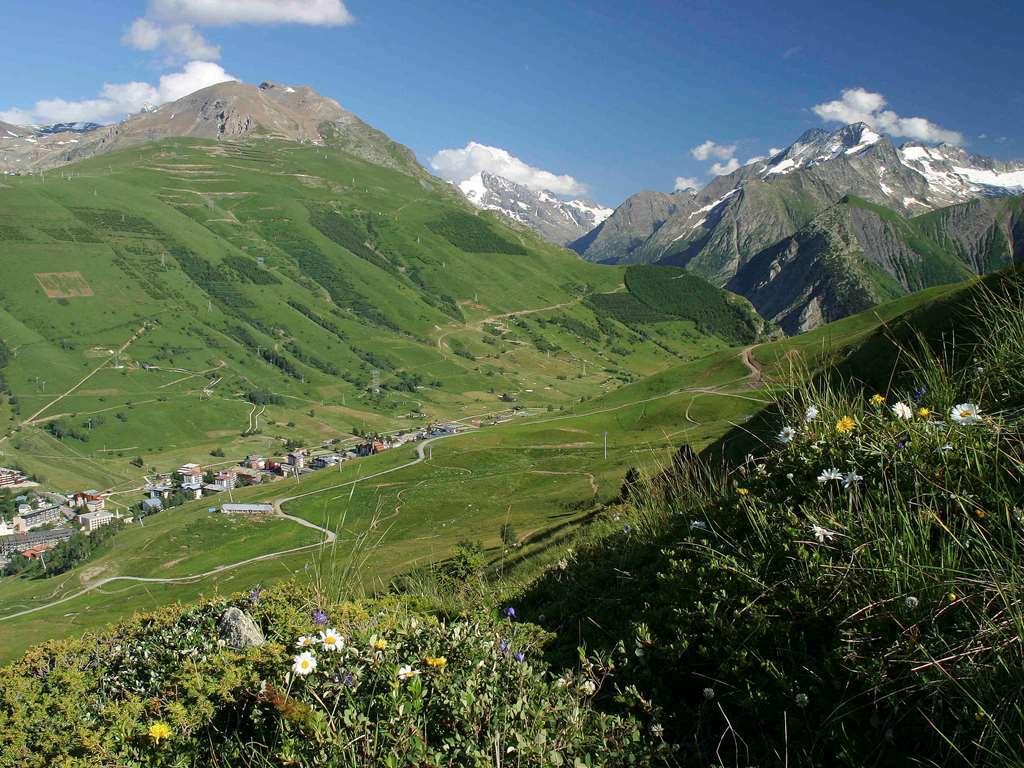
x=857 y=105
x=460 y=164
x=118 y=99
x=711 y=149
x=687 y=182
x=178 y=39
x=223 y=13
x=171 y=25
x=723 y=169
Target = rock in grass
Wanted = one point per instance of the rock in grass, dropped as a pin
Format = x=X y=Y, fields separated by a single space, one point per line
x=238 y=630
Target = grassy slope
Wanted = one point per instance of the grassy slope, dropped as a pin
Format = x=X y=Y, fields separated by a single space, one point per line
x=474 y=483
x=136 y=223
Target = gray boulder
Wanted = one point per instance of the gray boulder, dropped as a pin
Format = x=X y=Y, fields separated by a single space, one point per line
x=238 y=630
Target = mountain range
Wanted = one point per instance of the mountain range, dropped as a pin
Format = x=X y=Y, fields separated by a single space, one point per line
x=835 y=222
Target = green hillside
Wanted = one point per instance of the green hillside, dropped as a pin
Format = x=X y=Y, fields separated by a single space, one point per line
x=149 y=293
x=656 y=294
x=543 y=473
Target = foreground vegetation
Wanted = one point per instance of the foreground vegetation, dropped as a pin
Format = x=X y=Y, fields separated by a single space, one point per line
x=846 y=595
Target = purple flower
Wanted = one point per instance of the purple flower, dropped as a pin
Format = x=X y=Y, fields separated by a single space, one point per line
x=254 y=597
x=319 y=617
x=510 y=613
x=919 y=393
x=502 y=646
x=520 y=656
x=903 y=443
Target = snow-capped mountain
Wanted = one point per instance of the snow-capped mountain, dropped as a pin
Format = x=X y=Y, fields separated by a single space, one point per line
x=66 y=128
x=791 y=232
x=819 y=146
x=557 y=220
x=771 y=197
x=955 y=175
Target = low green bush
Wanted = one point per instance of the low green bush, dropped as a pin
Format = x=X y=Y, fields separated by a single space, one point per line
x=374 y=683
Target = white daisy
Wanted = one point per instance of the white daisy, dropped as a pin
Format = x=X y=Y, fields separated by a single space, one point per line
x=822 y=534
x=786 y=435
x=851 y=478
x=902 y=411
x=810 y=414
x=405 y=672
x=304 y=663
x=331 y=640
x=830 y=474
x=965 y=413
x=304 y=642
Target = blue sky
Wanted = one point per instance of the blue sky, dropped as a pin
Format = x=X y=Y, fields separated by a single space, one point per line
x=615 y=96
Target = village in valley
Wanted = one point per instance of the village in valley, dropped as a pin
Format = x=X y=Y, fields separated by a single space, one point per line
x=37 y=523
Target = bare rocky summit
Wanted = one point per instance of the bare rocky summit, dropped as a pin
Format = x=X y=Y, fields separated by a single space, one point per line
x=226 y=111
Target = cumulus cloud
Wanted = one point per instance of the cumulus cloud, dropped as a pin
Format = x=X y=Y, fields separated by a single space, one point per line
x=460 y=164
x=171 y=25
x=178 y=39
x=687 y=182
x=710 y=149
x=723 y=169
x=118 y=99
x=857 y=105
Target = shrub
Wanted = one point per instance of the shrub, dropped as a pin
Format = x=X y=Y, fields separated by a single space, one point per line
x=401 y=687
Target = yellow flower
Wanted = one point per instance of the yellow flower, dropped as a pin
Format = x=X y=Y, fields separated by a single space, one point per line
x=742 y=491
x=845 y=425
x=923 y=413
x=159 y=732
x=379 y=644
x=438 y=662
x=952 y=597
x=877 y=400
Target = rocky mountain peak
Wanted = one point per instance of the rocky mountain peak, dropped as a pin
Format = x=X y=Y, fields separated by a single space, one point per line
x=557 y=220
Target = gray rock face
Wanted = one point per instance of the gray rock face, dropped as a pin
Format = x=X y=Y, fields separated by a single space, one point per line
x=631 y=225
x=238 y=630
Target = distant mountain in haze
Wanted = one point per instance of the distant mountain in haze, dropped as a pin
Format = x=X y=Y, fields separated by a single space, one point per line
x=560 y=221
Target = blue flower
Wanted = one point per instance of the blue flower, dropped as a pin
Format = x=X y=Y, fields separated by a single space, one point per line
x=627 y=528
x=919 y=393
x=254 y=597
x=502 y=646
x=510 y=612
x=903 y=443
x=520 y=656
x=319 y=617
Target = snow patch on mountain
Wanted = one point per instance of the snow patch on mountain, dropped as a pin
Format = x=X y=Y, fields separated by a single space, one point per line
x=560 y=221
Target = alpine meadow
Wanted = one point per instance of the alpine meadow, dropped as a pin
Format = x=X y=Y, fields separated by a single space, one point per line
x=573 y=413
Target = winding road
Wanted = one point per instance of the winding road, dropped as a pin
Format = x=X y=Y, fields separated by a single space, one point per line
x=328 y=537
